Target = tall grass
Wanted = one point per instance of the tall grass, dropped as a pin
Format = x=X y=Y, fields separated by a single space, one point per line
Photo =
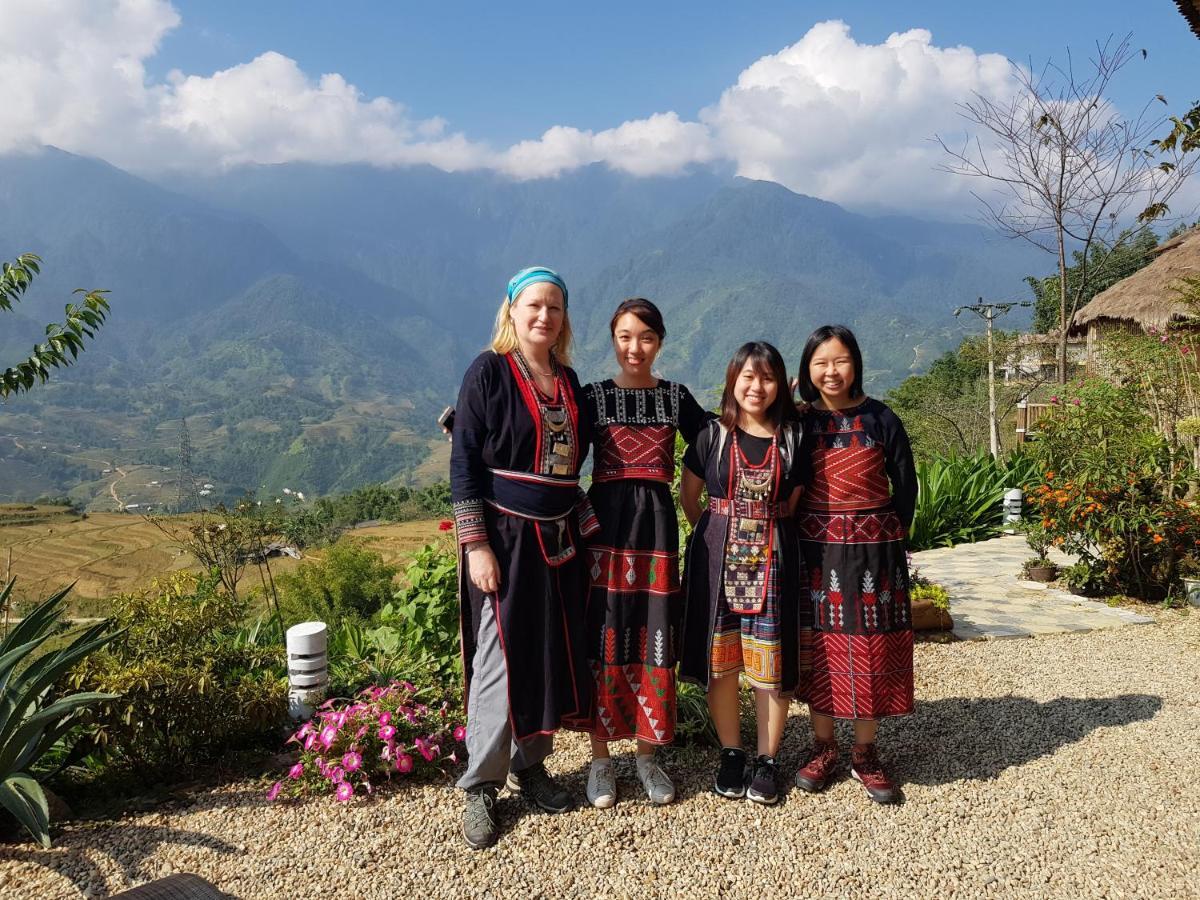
x=961 y=498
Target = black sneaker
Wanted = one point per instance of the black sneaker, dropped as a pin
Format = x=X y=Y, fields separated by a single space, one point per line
x=731 y=774
x=479 y=827
x=764 y=785
x=536 y=786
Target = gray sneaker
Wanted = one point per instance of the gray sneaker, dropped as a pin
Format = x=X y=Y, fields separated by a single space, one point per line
x=536 y=786
x=658 y=786
x=479 y=827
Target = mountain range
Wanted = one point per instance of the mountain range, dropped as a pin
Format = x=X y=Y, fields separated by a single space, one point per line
x=308 y=322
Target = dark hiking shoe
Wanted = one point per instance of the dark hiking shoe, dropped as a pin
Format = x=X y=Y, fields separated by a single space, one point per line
x=866 y=768
x=820 y=768
x=764 y=785
x=731 y=774
x=479 y=827
x=536 y=786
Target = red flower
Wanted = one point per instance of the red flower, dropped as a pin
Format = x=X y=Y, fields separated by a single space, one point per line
x=445 y=525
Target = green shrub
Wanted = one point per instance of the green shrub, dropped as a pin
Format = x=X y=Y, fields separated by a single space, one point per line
x=32 y=719
x=425 y=612
x=192 y=686
x=693 y=724
x=960 y=499
x=1113 y=489
x=361 y=656
x=933 y=592
x=1084 y=578
x=349 y=582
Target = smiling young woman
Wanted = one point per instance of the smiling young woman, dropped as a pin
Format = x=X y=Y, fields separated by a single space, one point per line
x=633 y=607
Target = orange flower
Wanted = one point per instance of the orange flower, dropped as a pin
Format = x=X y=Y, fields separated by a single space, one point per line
x=1158 y=538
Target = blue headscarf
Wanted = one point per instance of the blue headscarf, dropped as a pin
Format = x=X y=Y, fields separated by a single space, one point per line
x=534 y=275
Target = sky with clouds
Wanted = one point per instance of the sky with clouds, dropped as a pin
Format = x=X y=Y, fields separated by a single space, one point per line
x=837 y=100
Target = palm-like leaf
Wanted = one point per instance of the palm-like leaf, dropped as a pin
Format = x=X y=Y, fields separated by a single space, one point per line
x=29 y=725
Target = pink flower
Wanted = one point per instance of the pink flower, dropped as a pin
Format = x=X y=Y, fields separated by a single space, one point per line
x=404 y=763
x=387 y=732
x=386 y=752
x=340 y=719
x=274 y=791
x=306 y=729
x=328 y=736
x=385 y=718
x=460 y=733
x=296 y=771
x=309 y=741
x=1076 y=401
x=352 y=761
x=1054 y=399
x=426 y=749
x=337 y=774
x=453 y=757
x=344 y=792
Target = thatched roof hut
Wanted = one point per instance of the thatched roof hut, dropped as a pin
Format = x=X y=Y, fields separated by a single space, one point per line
x=1147 y=298
x=1191 y=12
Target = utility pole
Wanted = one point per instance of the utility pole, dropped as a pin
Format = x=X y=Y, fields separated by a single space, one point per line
x=187 y=495
x=990 y=312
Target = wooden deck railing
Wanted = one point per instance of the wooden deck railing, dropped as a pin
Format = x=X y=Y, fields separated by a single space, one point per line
x=1028 y=415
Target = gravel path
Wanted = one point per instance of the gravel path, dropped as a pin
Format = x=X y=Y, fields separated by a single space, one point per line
x=1060 y=766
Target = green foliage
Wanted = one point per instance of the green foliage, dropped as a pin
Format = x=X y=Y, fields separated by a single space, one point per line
x=349 y=582
x=1105 y=267
x=934 y=593
x=326 y=520
x=63 y=341
x=1184 y=133
x=193 y=684
x=425 y=612
x=32 y=719
x=1084 y=577
x=360 y=656
x=945 y=411
x=961 y=498
x=693 y=723
x=1113 y=487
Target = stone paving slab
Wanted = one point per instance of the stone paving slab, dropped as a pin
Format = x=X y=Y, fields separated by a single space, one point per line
x=990 y=601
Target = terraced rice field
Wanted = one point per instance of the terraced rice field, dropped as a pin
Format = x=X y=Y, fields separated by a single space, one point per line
x=113 y=553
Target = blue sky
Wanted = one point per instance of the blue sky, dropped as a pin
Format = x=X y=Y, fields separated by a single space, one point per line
x=508 y=71
x=841 y=100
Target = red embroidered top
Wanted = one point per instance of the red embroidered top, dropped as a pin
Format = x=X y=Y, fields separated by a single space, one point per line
x=634 y=428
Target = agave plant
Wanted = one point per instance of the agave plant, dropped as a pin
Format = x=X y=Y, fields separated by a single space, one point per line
x=31 y=722
x=960 y=498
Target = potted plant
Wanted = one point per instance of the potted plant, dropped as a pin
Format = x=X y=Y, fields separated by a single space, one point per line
x=1082 y=579
x=1038 y=568
x=1189 y=574
x=930 y=603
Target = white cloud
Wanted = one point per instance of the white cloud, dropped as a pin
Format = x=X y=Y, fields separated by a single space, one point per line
x=659 y=145
x=851 y=122
x=827 y=115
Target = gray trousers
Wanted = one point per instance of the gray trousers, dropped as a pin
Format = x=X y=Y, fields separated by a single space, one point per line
x=491 y=750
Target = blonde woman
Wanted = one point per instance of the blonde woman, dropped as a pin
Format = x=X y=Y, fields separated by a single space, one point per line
x=518 y=441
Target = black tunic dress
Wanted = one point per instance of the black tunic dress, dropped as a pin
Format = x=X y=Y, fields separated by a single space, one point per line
x=706 y=604
x=514 y=471
x=852 y=522
x=633 y=607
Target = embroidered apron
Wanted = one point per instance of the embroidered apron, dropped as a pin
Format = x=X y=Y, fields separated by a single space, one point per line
x=751 y=531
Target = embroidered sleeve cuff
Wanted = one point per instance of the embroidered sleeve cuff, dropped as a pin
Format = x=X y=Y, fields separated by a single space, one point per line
x=469 y=523
x=588 y=523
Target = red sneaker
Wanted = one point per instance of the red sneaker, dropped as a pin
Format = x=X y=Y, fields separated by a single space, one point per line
x=820 y=768
x=866 y=768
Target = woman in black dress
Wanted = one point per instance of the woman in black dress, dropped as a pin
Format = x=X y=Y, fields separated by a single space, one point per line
x=634 y=561
x=742 y=573
x=519 y=439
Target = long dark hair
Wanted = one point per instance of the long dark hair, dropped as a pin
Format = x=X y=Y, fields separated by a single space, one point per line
x=766 y=360
x=646 y=311
x=808 y=390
